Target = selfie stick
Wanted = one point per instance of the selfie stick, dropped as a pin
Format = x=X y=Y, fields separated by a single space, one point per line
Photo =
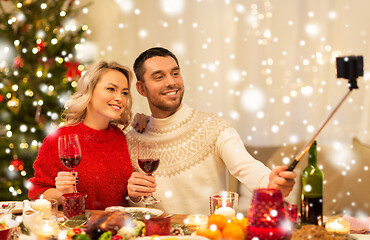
x=352 y=68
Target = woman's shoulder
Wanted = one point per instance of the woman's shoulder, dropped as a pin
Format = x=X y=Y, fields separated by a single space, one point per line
x=115 y=129
x=60 y=131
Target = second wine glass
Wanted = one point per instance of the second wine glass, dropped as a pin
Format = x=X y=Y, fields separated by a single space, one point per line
x=69 y=151
x=148 y=160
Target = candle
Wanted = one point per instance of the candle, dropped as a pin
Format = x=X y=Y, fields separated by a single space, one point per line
x=42 y=206
x=224 y=203
x=337 y=225
x=228 y=212
x=196 y=221
x=45 y=229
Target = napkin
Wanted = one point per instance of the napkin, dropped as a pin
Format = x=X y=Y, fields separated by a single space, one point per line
x=358 y=225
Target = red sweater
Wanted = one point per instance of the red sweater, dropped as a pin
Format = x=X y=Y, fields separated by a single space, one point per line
x=103 y=171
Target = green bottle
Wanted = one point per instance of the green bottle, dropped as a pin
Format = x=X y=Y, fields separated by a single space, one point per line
x=312 y=190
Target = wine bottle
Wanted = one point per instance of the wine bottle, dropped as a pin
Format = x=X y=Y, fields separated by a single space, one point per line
x=312 y=190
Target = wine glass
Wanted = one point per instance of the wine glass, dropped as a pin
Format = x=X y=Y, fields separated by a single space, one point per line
x=148 y=160
x=69 y=151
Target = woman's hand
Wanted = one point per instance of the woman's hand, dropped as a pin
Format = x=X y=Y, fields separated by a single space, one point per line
x=140 y=184
x=140 y=122
x=66 y=182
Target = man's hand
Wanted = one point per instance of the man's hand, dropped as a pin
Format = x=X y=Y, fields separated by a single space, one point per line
x=140 y=122
x=282 y=179
x=140 y=184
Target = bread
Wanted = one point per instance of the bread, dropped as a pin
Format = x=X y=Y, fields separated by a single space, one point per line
x=312 y=232
x=108 y=221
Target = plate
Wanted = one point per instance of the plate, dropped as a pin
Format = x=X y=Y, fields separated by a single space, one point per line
x=360 y=236
x=151 y=211
x=175 y=237
x=17 y=209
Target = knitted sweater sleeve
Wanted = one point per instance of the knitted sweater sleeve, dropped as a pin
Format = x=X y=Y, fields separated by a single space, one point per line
x=249 y=171
x=45 y=169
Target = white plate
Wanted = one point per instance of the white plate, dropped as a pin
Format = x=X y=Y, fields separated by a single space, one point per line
x=18 y=206
x=152 y=211
x=175 y=237
x=360 y=236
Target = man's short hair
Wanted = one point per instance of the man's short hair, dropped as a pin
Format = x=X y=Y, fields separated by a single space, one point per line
x=151 y=52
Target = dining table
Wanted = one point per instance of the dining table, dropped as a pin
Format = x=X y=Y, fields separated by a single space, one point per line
x=175 y=218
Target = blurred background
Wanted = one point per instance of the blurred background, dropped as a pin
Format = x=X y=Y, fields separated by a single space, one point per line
x=268 y=67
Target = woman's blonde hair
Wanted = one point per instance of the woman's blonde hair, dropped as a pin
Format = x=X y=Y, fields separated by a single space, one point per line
x=75 y=108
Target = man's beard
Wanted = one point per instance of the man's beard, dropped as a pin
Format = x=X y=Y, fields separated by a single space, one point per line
x=164 y=106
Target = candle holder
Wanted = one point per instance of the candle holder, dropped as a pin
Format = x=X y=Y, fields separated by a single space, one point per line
x=195 y=222
x=292 y=213
x=73 y=204
x=157 y=226
x=54 y=207
x=267 y=216
x=225 y=203
x=46 y=229
x=337 y=225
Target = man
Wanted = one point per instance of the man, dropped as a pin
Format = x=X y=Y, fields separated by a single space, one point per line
x=196 y=147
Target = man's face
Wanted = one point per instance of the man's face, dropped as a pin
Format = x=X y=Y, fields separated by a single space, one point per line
x=163 y=86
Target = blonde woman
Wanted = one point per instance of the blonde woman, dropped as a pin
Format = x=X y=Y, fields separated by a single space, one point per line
x=102 y=100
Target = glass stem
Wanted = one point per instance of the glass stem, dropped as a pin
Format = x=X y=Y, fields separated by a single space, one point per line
x=75 y=187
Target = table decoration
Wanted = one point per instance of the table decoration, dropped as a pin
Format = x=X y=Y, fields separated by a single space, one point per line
x=46 y=228
x=225 y=203
x=337 y=225
x=75 y=221
x=157 y=226
x=42 y=206
x=73 y=204
x=267 y=215
x=291 y=213
x=194 y=222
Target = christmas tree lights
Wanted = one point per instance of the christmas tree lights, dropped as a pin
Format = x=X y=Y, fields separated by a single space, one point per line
x=38 y=71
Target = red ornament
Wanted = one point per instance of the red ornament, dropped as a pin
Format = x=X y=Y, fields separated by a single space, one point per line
x=72 y=70
x=41 y=44
x=1 y=97
x=18 y=62
x=18 y=164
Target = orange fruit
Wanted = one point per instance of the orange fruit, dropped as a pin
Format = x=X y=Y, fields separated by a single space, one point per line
x=219 y=220
x=232 y=231
x=242 y=223
x=210 y=234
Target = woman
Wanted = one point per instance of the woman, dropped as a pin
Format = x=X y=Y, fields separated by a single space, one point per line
x=102 y=101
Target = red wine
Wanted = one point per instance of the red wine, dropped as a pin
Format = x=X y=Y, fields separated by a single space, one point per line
x=70 y=162
x=148 y=165
x=311 y=210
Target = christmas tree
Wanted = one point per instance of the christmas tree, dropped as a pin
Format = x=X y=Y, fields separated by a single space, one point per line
x=39 y=66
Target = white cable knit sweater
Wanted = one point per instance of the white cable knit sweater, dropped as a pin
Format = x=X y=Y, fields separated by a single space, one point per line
x=196 y=149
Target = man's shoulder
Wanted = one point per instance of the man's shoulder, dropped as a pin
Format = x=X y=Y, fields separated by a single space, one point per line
x=211 y=117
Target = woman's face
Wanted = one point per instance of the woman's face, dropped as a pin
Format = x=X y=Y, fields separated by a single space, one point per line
x=108 y=101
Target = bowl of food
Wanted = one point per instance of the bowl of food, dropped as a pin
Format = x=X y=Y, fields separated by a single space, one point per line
x=7 y=226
